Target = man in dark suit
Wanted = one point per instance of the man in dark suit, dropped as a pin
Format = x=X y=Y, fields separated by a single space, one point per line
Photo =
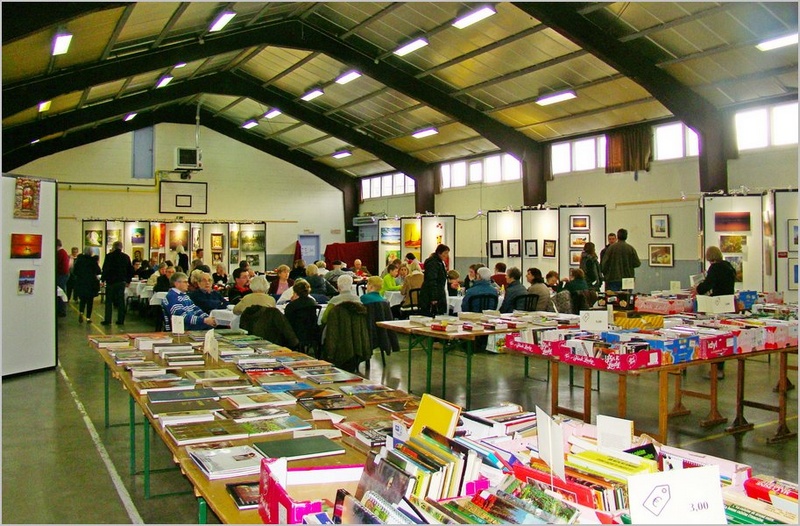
x=117 y=274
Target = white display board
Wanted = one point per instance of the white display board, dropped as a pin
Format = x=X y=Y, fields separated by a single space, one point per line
x=29 y=315
x=538 y=226
x=785 y=230
x=504 y=232
x=578 y=225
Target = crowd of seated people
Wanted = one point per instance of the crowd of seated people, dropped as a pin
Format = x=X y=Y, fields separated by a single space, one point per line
x=204 y=296
x=257 y=292
x=240 y=287
x=178 y=303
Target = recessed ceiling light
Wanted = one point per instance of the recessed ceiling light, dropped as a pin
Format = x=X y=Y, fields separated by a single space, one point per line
x=411 y=46
x=341 y=154
x=311 y=95
x=425 y=132
x=166 y=79
x=221 y=21
x=347 y=77
x=44 y=106
x=775 y=43
x=553 y=98
x=61 y=42
x=473 y=17
x=179 y=65
x=252 y=123
x=130 y=117
x=274 y=112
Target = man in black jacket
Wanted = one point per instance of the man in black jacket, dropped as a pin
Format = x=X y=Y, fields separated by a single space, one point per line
x=117 y=273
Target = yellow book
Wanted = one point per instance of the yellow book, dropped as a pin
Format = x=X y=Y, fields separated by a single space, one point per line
x=437 y=414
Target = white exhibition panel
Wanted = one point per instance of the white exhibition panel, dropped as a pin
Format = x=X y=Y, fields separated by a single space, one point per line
x=411 y=238
x=29 y=320
x=389 y=242
x=737 y=222
x=786 y=211
x=538 y=225
x=571 y=227
x=438 y=230
x=504 y=226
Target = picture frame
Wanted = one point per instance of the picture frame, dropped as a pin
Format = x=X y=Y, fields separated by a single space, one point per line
x=495 y=248
x=575 y=258
x=732 y=244
x=531 y=248
x=578 y=240
x=791 y=235
x=137 y=236
x=216 y=258
x=549 y=248
x=659 y=225
x=732 y=221
x=793 y=273
x=513 y=248
x=579 y=223
x=217 y=241
x=661 y=255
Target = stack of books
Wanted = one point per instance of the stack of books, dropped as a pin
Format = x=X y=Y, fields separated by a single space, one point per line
x=226 y=462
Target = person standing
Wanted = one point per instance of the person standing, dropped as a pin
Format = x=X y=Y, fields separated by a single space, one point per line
x=619 y=262
x=433 y=296
x=74 y=253
x=198 y=258
x=183 y=259
x=117 y=273
x=87 y=285
x=612 y=238
x=719 y=281
x=591 y=266
x=62 y=276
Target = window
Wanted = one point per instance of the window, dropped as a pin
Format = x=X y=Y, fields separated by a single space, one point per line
x=578 y=155
x=512 y=169
x=476 y=172
x=766 y=126
x=674 y=141
x=784 y=124
x=751 y=129
x=365 y=189
x=386 y=185
x=458 y=174
x=491 y=169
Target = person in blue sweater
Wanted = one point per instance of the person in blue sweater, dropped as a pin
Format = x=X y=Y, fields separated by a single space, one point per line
x=482 y=284
x=514 y=289
x=178 y=303
x=373 y=294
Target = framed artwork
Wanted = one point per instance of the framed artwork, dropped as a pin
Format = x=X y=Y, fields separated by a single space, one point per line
x=738 y=265
x=579 y=223
x=158 y=234
x=252 y=240
x=137 y=236
x=793 y=271
x=179 y=237
x=549 y=248
x=531 y=248
x=216 y=241
x=26 y=246
x=253 y=259
x=792 y=235
x=137 y=253
x=732 y=244
x=659 y=225
x=514 y=248
x=113 y=235
x=575 y=258
x=578 y=240
x=234 y=239
x=195 y=238
x=661 y=255
x=26 y=198
x=495 y=249
x=93 y=238
x=732 y=221
x=216 y=258
x=235 y=256
x=390 y=235
x=154 y=254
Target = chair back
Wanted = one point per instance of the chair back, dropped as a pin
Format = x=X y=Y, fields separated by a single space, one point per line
x=361 y=288
x=378 y=336
x=166 y=320
x=583 y=300
x=526 y=302
x=413 y=299
x=305 y=324
x=269 y=323
x=480 y=303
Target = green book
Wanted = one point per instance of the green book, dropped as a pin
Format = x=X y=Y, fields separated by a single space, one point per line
x=299 y=448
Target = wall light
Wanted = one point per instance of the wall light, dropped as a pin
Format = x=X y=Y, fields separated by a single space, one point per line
x=252 y=123
x=553 y=98
x=411 y=46
x=776 y=43
x=129 y=117
x=166 y=79
x=44 y=106
x=274 y=112
x=311 y=95
x=347 y=77
x=221 y=21
x=425 y=132
x=473 y=17
x=341 y=154
x=61 y=42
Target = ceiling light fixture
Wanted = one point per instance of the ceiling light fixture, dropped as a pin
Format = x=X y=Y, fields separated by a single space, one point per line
x=274 y=112
x=776 y=43
x=44 y=106
x=252 y=123
x=166 y=79
x=129 y=117
x=313 y=94
x=553 y=98
x=35 y=141
x=410 y=47
x=221 y=21
x=473 y=17
x=347 y=77
x=179 y=65
x=61 y=42
x=425 y=132
x=341 y=154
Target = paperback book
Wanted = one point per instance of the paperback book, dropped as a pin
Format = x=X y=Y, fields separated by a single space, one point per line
x=282 y=387
x=363 y=388
x=187 y=394
x=213 y=431
x=211 y=375
x=300 y=448
x=314 y=393
x=283 y=424
x=176 y=384
x=328 y=404
x=226 y=462
x=412 y=404
x=255 y=413
x=244 y=494
x=261 y=399
x=377 y=397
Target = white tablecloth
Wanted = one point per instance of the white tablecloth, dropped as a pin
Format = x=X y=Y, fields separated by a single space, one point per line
x=454 y=302
x=225 y=318
x=393 y=297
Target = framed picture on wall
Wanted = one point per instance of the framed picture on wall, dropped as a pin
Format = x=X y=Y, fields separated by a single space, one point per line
x=793 y=271
x=137 y=236
x=496 y=248
x=575 y=258
x=216 y=258
x=659 y=225
x=578 y=240
x=661 y=255
x=732 y=244
x=514 y=248
x=531 y=248
x=216 y=241
x=792 y=233
x=549 y=248
x=579 y=223
x=234 y=256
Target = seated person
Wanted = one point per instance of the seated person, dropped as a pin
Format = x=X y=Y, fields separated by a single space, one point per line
x=373 y=294
x=244 y=265
x=345 y=285
x=388 y=280
x=163 y=281
x=178 y=303
x=298 y=270
x=472 y=273
x=205 y=297
x=198 y=259
x=194 y=279
x=482 y=284
x=553 y=281
x=256 y=293
x=388 y=264
x=359 y=270
x=301 y=297
x=403 y=274
x=283 y=283
x=322 y=267
x=157 y=272
x=318 y=284
x=514 y=289
x=221 y=275
x=333 y=275
x=137 y=266
x=240 y=287
x=453 y=285
x=538 y=287
x=413 y=281
x=145 y=271
x=578 y=281
x=499 y=276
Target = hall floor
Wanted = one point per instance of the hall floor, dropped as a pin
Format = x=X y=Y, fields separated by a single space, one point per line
x=61 y=465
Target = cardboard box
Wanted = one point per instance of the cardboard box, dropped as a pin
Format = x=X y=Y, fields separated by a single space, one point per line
x=635 y=320
x=663 y=305
x=674 y=350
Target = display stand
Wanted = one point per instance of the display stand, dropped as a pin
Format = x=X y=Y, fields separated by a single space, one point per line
x=389 y=242
x=578 y=225
x=784 y=247
x=248 y=242
x=538 y=226
x=504 y=234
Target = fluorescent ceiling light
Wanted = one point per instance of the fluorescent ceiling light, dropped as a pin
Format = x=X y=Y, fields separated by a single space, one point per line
x=166 y=79
x=179 y=65
x=425 y=132
x=775 y=43
x=221 y=21
x=347 y=77
x=411 y=46
x=311 y=95
x=473 y=17
x=35 y=141
x=44 y=106
x=274 y=112
x=342 y=154
x=252 y=123
x=61 y=43
x=555 y=97
x=130 y=117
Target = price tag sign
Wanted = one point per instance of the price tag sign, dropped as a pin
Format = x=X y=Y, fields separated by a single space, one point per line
x=681 y=496
x=628 y=284
x=594 y=320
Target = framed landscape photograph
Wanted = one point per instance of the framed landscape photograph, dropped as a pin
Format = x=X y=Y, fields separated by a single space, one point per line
x=659 y=225
x=578 y=240
x=253 y=259
x=792 y=234
x=549 y=248
x=253 y=240
x=661 y=255
x=575 y=258
x=216 y=241
x=579 y=223
x=137 y=236
x=734 y=244
x=513 y=248
x=793 y=271
x=496 y=249
x=732 y=221
x=531 y=248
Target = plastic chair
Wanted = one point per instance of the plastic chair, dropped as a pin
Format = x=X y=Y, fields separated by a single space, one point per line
x=481 y=302
x=526 y=302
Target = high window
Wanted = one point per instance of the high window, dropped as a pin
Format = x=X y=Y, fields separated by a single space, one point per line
x=588 y=153
x=491 y=169
x=386 y=185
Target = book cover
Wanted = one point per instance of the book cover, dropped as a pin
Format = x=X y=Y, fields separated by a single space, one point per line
x=349 y=427
x=254 y=413
x=178 y=384
x=199 y=432
x=332 y=378
x=211 y=375
x=264 y=398
x=314 y=393
x=374 y=437
x=273 y=426
x=328 y=404
x=348 y=510
x=244 y=494
x=377 y=397
x=187 y=394
x=300 y=448
x=363 y=388
x=412 y=404
x=282 y=387
x=440 y=415
x=226 y=462
x=763 y=487
x=385 y=478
